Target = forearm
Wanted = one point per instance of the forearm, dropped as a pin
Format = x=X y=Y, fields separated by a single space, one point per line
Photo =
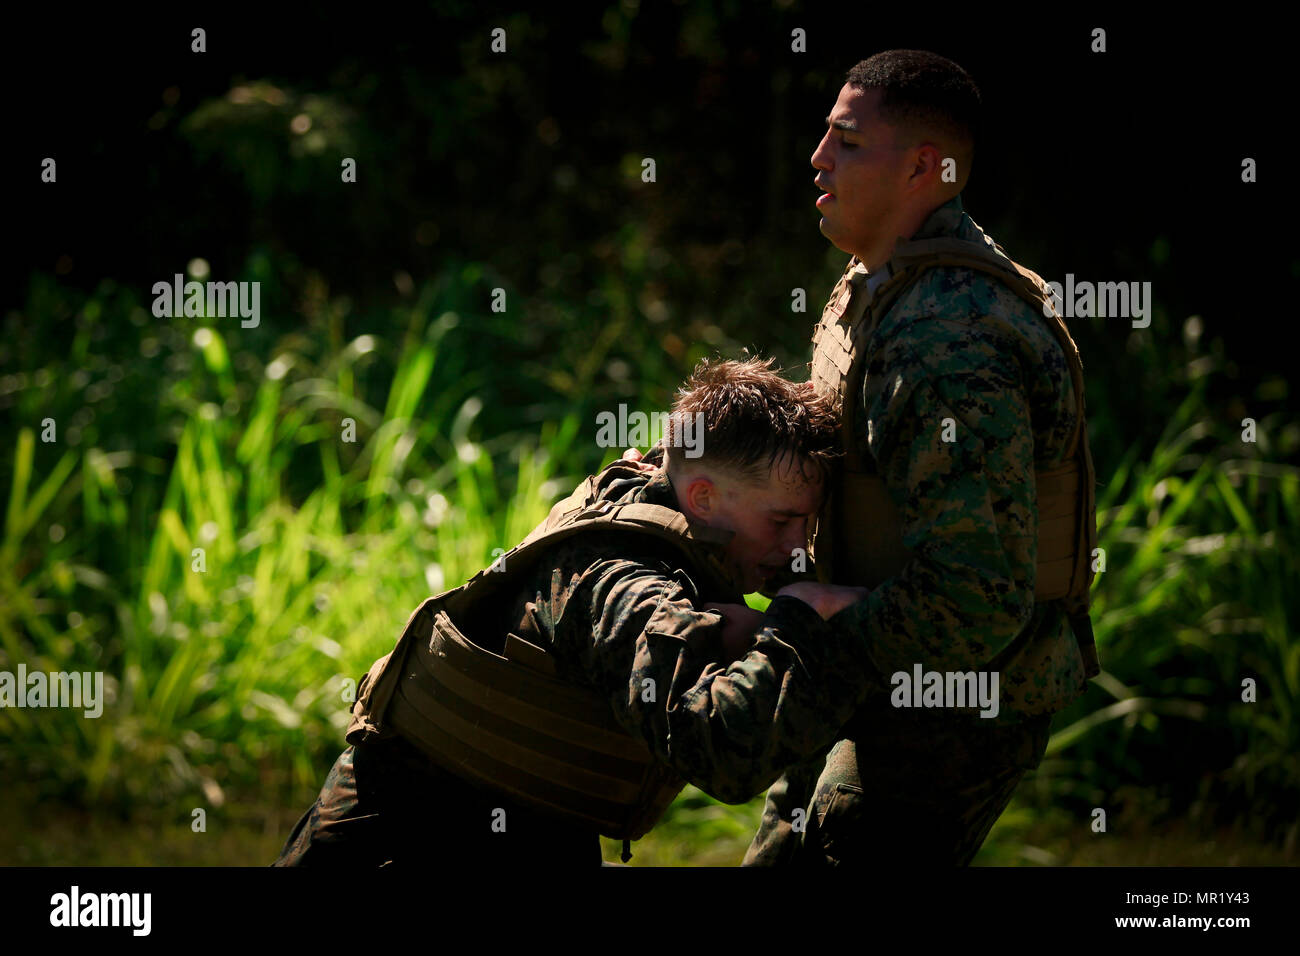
x=730 y=729
x=785 y=815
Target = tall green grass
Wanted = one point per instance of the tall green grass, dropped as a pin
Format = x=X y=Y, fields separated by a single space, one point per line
x=1197 y=598
x=229 y=665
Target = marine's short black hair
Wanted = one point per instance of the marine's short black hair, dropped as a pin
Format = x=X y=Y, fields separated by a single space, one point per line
x=922 y=92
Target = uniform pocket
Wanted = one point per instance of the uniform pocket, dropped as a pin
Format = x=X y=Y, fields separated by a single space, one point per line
x=842 y=824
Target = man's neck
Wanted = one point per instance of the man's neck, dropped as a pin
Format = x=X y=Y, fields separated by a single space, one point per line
x=907 y=227
x=875 y=261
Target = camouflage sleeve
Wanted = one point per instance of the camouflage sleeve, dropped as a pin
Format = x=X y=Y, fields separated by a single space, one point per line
x=785 y=815
x=948 y=425
x=730 y=729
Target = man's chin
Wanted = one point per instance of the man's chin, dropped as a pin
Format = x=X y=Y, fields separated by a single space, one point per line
x=832 y=235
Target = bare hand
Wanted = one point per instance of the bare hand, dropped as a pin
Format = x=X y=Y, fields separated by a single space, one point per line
x=826 y=599
x=634 y=456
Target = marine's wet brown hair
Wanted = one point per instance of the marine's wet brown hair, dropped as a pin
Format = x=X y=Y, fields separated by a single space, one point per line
x=753 y=420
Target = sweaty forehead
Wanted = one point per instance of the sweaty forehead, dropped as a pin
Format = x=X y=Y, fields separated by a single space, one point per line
x=788 y=491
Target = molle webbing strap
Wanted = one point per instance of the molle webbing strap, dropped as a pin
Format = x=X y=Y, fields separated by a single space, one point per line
x=1067 y=493
x=923 y=254
x=660 y=522
x=545 y=742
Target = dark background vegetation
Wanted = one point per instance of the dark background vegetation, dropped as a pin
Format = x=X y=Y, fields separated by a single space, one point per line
x=522 y=171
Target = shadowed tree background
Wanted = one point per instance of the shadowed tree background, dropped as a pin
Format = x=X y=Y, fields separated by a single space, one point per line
x=522 y=171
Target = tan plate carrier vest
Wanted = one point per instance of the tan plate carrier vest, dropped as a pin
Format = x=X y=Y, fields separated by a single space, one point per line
x=507 y=722
x=859 y=536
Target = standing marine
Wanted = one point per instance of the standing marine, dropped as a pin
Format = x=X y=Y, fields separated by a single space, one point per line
x=965 y=499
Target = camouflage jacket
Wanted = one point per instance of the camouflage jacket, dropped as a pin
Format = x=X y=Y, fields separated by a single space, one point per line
x=618 y=611
x=961 y=345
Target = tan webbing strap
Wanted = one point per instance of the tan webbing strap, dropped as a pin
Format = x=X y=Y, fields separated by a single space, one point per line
x=472 y=712
x=911 y=259
x=480 y=766
x=1067 y=520
x=528 y=654
x=504 y=691
x=941 y=251
x=499 y=724
x=376 y=688
x=658 y=521
x=1068 y=535
x=547 y=742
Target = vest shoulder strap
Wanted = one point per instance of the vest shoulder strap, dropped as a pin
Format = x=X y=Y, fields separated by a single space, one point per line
x=908 y=263
x=912 y=259
x=578 y=514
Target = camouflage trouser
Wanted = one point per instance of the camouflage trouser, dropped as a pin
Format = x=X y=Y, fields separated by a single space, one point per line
x=385 y=803
x=898 y=789
x=336 y=829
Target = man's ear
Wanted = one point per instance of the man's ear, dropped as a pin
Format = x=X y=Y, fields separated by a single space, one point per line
x=926 y=169
x=701 y=498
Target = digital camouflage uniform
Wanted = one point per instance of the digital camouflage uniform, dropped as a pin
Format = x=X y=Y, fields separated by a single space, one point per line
x=615 y=610
x=924 y=786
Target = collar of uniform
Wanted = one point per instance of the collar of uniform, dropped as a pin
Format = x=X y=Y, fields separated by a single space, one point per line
x=943 y=221
x=658 y=491
x=859 y=277
x=634 y=486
